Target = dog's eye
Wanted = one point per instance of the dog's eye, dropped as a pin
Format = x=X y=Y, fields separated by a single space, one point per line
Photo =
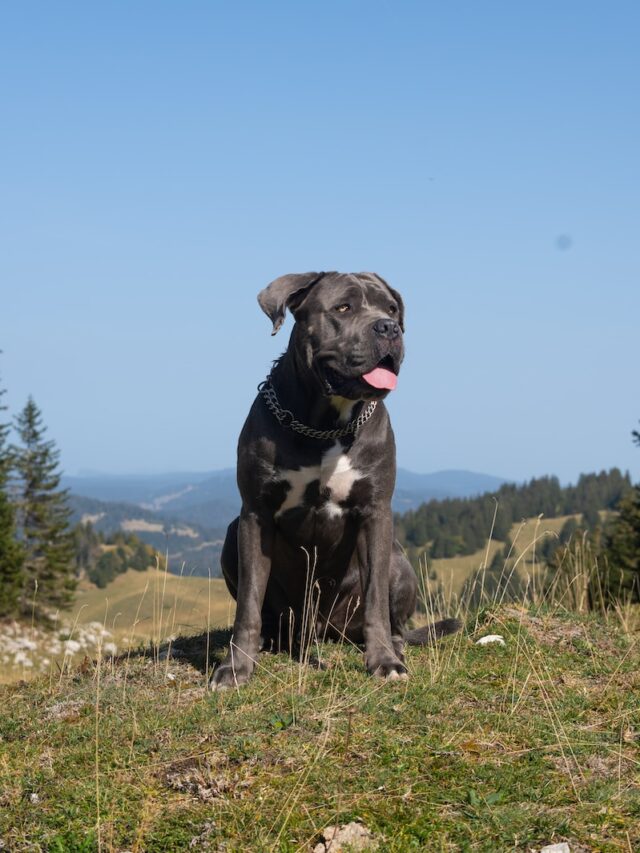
x=342 y=309
x=393 y=309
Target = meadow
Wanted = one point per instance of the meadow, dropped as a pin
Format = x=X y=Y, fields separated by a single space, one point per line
x=145 y=608
x=512 y=745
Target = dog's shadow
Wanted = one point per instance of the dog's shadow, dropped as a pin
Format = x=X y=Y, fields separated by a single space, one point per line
x=206 y=650
x=212 y=647
x=201 y=651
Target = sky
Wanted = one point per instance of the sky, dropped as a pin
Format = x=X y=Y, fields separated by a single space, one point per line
x=162 y=162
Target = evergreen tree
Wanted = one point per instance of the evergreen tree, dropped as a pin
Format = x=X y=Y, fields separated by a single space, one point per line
x=622 y=548
x=10 y=551
x=43 y=517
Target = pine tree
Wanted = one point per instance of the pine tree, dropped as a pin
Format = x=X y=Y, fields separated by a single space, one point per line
x=43 y=517
x=623 y=550
x=623 y=545
x=10 y=551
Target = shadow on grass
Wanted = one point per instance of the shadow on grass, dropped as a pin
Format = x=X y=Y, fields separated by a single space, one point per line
x=191 y=649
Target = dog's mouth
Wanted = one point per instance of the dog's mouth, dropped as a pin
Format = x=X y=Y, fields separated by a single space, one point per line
x=372 y=384
x=383 y=375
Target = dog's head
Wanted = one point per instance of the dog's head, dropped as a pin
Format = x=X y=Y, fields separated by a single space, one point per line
x=348 y=329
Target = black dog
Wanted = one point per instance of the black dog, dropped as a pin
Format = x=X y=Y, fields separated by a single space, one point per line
x=316 y=472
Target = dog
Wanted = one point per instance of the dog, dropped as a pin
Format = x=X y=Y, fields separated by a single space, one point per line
x=316 y=473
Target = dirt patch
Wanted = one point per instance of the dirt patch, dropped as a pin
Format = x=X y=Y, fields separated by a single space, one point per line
x=548 y=630
x=68 y=711
x=190 y=696
x=583 y=770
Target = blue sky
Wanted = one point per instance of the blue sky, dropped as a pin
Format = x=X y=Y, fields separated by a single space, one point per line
x=162 y=162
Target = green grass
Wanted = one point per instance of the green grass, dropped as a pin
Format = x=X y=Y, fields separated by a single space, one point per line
x=482 y=749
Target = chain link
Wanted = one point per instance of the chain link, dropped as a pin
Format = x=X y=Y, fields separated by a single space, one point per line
x=286 y=418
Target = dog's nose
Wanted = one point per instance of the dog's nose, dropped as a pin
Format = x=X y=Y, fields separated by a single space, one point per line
x=386 y=328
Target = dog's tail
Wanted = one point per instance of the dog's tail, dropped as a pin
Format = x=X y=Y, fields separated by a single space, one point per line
x=430 y=633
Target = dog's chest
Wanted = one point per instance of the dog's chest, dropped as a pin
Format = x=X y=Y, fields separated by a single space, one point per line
x=323 y=487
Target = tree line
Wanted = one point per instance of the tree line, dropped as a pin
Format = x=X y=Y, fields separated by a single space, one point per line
x=459 y=526
x=604 y=525
x=41 y=555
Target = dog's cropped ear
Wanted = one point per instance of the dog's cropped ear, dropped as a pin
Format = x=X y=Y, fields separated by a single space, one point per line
x=396 y=296
x=284 y=293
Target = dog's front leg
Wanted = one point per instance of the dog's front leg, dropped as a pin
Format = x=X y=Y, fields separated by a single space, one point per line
x=374 y=553
x=255 y=542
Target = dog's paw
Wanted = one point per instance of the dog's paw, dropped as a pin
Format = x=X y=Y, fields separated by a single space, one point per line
x=391 y=670
x=226 y=676
x=396 y=675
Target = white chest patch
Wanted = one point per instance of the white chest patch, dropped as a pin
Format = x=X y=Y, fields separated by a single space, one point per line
x=335 y=475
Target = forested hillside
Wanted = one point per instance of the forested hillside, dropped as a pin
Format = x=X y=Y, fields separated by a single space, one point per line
x=449 y=528
x=100 y=559
x=192 y=549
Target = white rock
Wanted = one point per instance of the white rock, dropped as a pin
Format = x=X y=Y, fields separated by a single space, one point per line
x=556 y=848
x=353 y=835
x=491 y=638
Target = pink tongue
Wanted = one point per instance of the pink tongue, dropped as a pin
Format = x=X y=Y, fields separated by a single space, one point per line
x=380 y=377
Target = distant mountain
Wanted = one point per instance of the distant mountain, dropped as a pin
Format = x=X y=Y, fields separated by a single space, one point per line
x=415 y=489
x=211 y=500
x=133 y=488
x=218 y=486
x=191 y=547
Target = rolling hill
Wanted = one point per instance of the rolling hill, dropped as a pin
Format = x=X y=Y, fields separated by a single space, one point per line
x=189 y=545
x=141 y=607
x=212 y=499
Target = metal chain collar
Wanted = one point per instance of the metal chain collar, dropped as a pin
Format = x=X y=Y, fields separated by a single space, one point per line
x=286 y=419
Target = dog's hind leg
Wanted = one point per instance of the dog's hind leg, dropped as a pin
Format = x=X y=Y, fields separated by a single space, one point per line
x=403 y=592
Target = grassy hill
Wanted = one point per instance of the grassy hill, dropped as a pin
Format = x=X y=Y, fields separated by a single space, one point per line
x=452 y=572
x=149 y=607
x=137 y=608
x=142 y=606
x=484 y=748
